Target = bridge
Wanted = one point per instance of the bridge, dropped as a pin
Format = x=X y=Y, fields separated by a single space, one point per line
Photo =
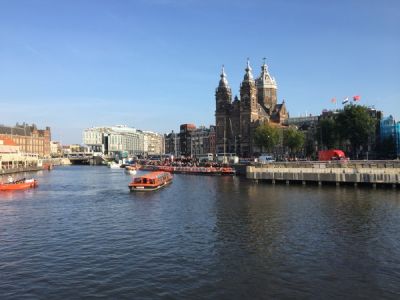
x=84 y=158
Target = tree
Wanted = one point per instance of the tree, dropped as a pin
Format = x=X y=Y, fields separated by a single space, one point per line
x=327 y=133
x=266 y=136
x=293 y=139
x=356 y=125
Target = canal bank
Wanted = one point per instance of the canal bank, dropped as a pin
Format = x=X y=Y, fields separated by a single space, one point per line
x=20 y=166
x=372 y=173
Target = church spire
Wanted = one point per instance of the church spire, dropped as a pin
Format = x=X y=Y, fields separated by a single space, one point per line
x=249 y=75
x=223 y=82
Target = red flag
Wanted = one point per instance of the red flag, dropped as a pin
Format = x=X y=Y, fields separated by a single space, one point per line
x=333 y=100
x=356 y=98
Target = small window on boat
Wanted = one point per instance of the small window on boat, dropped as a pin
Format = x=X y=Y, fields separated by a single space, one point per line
x=138 y=180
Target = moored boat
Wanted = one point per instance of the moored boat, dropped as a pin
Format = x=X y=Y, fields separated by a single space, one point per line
x=199 y=170
x=131 y=170
x=114 y=165
x=150 y=182
x=22 y=184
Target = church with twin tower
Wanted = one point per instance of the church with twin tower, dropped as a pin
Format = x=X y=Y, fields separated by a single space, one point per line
x=237 y=120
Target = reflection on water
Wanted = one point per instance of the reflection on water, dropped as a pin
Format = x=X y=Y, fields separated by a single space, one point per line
x=83 y=234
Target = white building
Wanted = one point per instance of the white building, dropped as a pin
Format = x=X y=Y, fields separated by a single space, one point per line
x=121 y=139
x=55 y=149
x=153 y=143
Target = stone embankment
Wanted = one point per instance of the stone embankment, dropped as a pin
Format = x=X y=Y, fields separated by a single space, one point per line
x=20 y=170
x=351 y=172
x=46 y=164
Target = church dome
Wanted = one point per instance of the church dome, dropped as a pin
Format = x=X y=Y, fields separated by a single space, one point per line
x=223 y=81
x=249 y=75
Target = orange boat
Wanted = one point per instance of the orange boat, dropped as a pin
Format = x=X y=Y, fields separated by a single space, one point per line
x=150 y=182
x=19 y=185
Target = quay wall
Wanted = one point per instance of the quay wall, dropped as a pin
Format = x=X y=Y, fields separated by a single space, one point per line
x=356 y=172
x=45 y=162
x=19 y=170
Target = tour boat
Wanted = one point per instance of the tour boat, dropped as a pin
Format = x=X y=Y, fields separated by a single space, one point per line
x=131 y=170
x=22 y=184
x=150 y=182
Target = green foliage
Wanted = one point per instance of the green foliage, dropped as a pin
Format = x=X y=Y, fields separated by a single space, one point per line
x=355 y=124
x=266 y=136
x=293 y=139
x=327 y=133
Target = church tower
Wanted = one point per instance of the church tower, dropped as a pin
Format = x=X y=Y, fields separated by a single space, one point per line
x=248 y=110
x=267 y=90
x=223 y=98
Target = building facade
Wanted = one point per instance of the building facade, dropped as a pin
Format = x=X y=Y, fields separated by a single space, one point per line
x=237 y=120
x=191 y=141
x=55 y=149
x=153 y=143
x=390 y=131
x=28 y=138
x=12 y=158
x=185 y=133
x=123 y=140
x=114 y=140
x=172 y=144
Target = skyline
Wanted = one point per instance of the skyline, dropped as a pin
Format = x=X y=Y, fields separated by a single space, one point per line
x=154 y=65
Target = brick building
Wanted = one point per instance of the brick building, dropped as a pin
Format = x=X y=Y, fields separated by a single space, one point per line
x=28 y=138
x=191 y=141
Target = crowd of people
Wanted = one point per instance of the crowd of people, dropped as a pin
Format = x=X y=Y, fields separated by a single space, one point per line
x=180 y=162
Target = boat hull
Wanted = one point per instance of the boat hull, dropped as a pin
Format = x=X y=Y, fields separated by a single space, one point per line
x=148 y=189
x=150 y=182
x=18 y=186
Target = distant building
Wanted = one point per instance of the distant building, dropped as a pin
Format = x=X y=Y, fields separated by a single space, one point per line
x=113 y=140
x=8 y=146
x=185 y=134
x=303 y=123
x=212 y=140
x=390 y=130
x=55 y=149
x=12 y=158
x=191 y=141
x=28 y=138
x=236 y=121
x=153 y=143
x=200 y=141
x=172 y=144
x=123 y=140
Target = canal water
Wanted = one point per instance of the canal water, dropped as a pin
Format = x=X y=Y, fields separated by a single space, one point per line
x=82 y=234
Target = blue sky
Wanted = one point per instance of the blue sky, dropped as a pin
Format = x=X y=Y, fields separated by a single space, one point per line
x=155 y=64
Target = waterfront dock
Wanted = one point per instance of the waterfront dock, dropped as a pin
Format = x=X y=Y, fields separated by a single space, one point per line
x=13 y=167
x=355 y=173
